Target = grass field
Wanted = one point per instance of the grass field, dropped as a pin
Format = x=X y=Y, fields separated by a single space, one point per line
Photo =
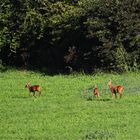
x=67 y=110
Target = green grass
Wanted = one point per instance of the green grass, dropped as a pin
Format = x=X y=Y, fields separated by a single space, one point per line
x=67 y=110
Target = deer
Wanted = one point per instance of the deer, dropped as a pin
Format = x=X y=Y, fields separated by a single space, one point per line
x=115 y=89
x=33 y=89
x=96 y=92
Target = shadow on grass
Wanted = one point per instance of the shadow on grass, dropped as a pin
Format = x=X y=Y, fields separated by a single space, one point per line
x=99 y=99
x=20 y=97
x=27 y=97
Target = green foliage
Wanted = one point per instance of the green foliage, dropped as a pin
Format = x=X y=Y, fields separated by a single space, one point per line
x=122 y=60
x=99 y=135
x=114 y=24
x=48 y=28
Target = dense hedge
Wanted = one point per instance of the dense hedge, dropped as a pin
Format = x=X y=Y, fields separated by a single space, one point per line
x=68 y=35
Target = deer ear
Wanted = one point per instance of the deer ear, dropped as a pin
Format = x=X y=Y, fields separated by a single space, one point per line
x=109 y=82
x=96 y=86
x=27 y=82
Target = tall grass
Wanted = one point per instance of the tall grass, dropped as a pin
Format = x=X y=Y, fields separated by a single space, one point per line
x=67 y=110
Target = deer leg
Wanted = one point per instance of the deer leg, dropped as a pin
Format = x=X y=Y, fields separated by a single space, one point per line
x=120 y=95
x=115 y=95
x=34 y=94
x=30 y=94
x=39 y=93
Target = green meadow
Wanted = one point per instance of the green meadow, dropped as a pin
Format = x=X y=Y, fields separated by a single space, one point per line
x=67 y=110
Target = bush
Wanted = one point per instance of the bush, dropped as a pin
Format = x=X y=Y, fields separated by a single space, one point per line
x=39 y=34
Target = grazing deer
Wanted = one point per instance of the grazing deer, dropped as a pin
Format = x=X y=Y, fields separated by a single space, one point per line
x=115 y=89
x=33 y=89
x=96 y=92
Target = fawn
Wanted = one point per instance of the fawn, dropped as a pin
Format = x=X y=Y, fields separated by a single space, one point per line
x=96 y=92
x=33 y=89
x=115 y=89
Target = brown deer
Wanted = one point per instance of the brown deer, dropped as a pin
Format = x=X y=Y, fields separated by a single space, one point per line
x=33 y=89
x=115 y=89
x=96 y=92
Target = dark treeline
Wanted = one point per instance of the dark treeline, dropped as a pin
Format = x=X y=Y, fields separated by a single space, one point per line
x=70 y=35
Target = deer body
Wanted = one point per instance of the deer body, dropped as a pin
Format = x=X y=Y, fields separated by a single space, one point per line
x=115 y=89
x=96 y=92
x=33 y=89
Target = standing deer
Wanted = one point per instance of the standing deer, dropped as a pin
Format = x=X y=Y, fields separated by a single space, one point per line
x=115 y=89
x=96 y=92
x=33 y=89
